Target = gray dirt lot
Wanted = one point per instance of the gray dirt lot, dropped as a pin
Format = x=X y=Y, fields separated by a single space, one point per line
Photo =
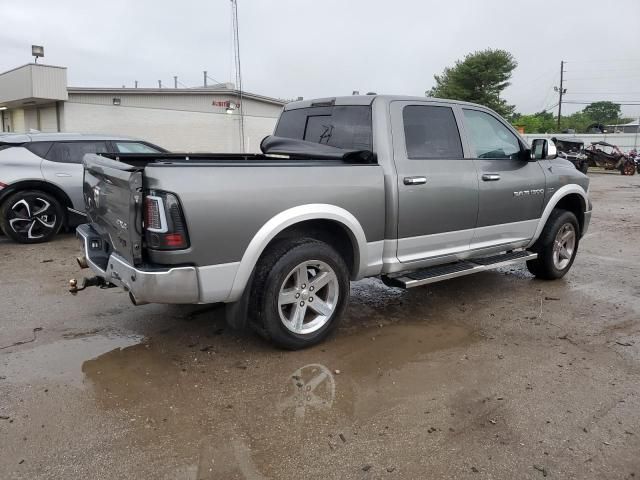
x=490 y=376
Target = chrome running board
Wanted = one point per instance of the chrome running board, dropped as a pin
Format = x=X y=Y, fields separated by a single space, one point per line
x=458 y=269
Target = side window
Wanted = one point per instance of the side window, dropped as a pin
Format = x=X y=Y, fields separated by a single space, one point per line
x=431 y=132
x=489 y=137
x=72 y=152
x=134 y=147
x=38 y=148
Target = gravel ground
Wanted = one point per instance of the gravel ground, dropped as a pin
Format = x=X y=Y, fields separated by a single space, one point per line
x=495 y=375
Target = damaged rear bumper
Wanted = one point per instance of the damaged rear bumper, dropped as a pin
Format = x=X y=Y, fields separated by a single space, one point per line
x=144 y=285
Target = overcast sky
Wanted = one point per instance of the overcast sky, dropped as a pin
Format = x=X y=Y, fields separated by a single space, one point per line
x=315 y=48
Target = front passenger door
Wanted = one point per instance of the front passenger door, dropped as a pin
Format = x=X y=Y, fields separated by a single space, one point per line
x=63 y=167
x=511 y=187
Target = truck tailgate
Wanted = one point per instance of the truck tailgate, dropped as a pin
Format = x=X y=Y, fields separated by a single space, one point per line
x=113 y=201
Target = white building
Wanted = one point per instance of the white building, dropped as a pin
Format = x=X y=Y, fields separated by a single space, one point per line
x=37 y=97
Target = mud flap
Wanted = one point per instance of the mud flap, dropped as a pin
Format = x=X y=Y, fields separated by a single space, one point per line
x=237 y=314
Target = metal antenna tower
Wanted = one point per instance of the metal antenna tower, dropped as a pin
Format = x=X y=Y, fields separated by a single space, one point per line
x=236 y=52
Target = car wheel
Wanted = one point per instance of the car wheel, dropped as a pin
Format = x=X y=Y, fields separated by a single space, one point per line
x=31 y=216
x=557 y=246
x=302 y=290
x=629 y=168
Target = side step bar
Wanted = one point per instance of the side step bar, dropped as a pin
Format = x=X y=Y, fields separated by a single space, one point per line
x=457 y=269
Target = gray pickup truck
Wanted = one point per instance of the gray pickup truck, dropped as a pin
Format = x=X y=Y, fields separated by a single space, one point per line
x=413 y=190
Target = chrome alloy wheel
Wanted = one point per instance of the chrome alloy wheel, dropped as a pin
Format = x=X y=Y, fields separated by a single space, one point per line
x=32 y=218
x=308 y=297
x=564 y=246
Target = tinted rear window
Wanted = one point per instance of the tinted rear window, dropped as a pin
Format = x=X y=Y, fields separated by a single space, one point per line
x=431 y=132
x=39 y=148
x=344 y=126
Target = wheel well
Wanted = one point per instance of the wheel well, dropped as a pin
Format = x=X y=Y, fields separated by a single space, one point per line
x=46 y=187
x=573 y=203
x=329 y=231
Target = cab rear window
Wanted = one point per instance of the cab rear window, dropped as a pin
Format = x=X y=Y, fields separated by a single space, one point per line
x=342 y=126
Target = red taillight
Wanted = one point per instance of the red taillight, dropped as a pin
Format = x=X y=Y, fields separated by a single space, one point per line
x=164 y=223
x=174 y=240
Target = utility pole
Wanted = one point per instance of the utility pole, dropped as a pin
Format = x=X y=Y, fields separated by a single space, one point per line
x=561 y=91
x=136 y=84
x=159 y=83
x=175 y=82
x=205 y=79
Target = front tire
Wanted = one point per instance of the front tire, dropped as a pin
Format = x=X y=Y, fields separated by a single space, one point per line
x=31 y=216
x=301 y=291
x=557 y=246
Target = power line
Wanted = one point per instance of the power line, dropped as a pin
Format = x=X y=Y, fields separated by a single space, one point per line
x=610 y=78
x=216 y=81
x=589 y=102
x=625 y=60
x=603 y=93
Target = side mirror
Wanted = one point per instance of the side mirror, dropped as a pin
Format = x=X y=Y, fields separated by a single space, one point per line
x=543 y=149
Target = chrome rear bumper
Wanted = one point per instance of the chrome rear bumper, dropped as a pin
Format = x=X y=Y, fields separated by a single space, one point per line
x=172 y=285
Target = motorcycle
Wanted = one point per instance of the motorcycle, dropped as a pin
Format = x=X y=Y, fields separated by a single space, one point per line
x=635 y=156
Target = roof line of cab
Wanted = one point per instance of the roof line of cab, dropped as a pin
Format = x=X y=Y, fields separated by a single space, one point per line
x=368 y=100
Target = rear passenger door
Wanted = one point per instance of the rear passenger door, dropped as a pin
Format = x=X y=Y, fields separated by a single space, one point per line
x=63 y=167
x=437 y=185
x=511 y=187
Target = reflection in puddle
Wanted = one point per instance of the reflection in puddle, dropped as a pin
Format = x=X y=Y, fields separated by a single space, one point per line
x=227 y=409
x=312 y=387
x=61 y=360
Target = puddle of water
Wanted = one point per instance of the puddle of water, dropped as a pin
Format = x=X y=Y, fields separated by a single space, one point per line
x=61 y=361
x=236 y=409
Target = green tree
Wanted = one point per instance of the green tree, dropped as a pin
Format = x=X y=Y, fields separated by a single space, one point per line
x=480 y=78
x=541 y=122
x=603 y=112
x=578 y=121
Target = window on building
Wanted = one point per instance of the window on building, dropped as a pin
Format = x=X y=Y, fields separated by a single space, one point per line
x=431 y=132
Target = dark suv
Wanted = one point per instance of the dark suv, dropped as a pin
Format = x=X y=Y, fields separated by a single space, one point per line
x=41 y=180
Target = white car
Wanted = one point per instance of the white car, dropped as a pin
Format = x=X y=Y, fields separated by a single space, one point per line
x=41 y=180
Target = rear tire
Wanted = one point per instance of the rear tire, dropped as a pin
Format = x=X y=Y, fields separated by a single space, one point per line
x=31 y=216
x=301 y=290
x=557 y=246
x=628 y=168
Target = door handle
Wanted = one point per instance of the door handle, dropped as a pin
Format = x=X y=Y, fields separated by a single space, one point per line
x=491 y=177
x=415 y=180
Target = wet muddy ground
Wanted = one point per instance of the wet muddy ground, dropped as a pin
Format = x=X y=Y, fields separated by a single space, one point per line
x=496 y=375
